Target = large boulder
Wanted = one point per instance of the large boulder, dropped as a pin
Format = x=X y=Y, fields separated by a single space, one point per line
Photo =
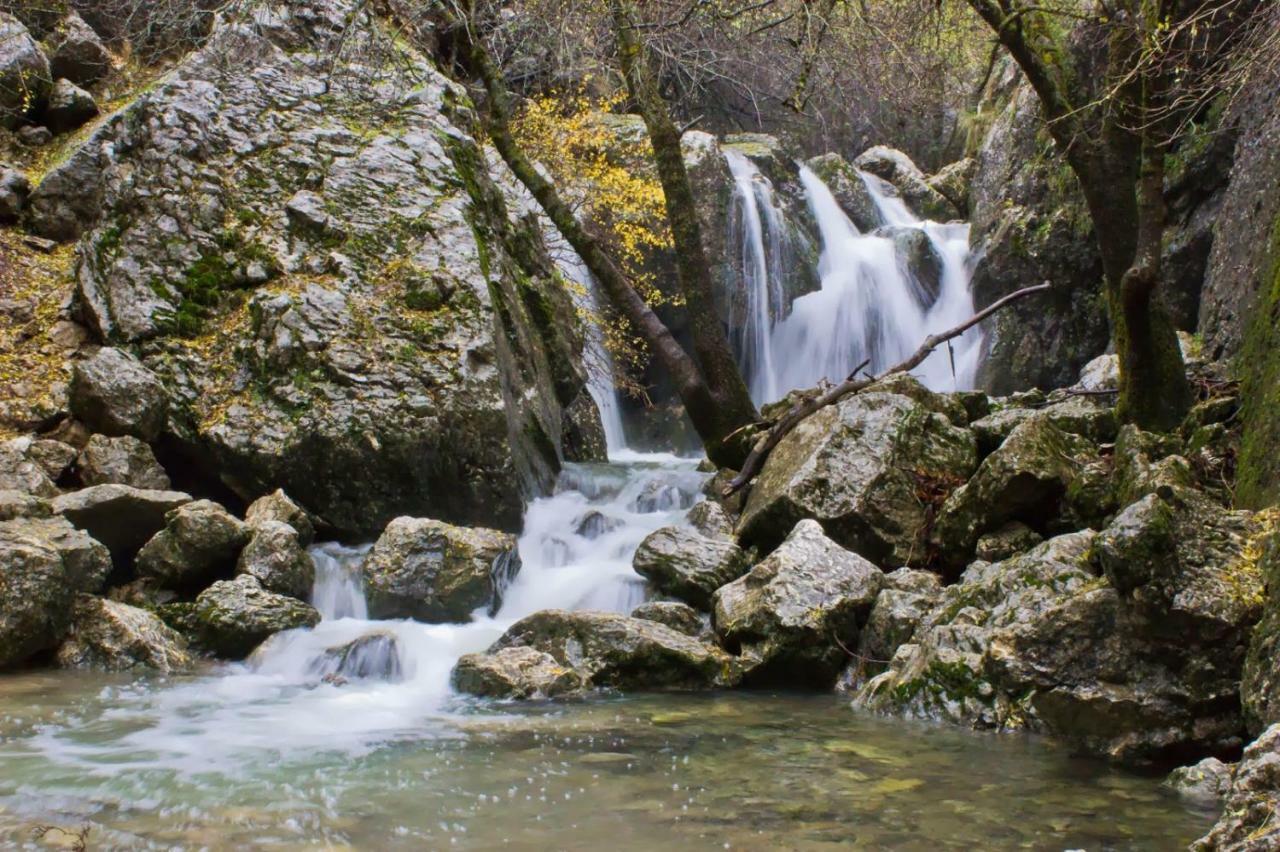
x=44 y=562
x=604 y=650
x=416 y=356
x=232 y=617
x=200 y=542
x=1248 y=822
x=435 y=572
x=115 y=637
x=516 y=672
x=76 y=52
x=115 y=394
x=892 y=165
x=858 y=467
x=793 y=616
x=275 y=556
x=121 y=517
x=24 y=72
x=683 y=563
x=120 y=461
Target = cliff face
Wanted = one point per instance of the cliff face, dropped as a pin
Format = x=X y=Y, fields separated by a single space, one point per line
x=298 y=233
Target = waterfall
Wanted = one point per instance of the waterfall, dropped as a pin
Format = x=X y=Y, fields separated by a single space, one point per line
x=873 y=305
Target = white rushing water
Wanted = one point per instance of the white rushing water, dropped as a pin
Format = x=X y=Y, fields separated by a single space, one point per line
x=871 y=306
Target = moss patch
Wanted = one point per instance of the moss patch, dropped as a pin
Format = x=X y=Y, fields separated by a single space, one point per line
x=1258 y=477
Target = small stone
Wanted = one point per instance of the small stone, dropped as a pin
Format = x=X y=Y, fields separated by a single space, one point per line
x=1207 y=781
x=69 y=107
x=277 y=506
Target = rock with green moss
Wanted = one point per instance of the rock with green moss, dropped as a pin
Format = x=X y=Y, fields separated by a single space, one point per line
x=518 y=672
x=1248 y=822
x=908 y=596
x=436 y=572
x=275 y=556
x=232 y=617
x=890 y=164
x=1147 y=463
x=1028 y=479
x=199 y=543
x=46 y=562
x=311 y=357
x=860 y=468
x=1260 y=683
x=1207 y=782
x=683 y=563
x=615 y=651
x=710 y=518
x=1009 y=540
x=849 y=190
x=792 y=617
x=953 y=181
x=123 y=461
x=113 y=636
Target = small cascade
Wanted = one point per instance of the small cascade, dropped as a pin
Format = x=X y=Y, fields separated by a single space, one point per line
x=874 y=304
x=337 y=592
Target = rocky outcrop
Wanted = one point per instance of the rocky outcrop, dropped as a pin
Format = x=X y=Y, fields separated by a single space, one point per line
x=435 y=572
x=312 y=359
x=199 y=543
x=120 y=461
x=24 y=72
x=792 y=617
x=857 y=467
x=687 y=565
x=115 y=637
x=600 y=649
x=46 y=562
x=275 y=556
x=232 y=617
x=121 y=517
x=115 y=394
x=1248 y=821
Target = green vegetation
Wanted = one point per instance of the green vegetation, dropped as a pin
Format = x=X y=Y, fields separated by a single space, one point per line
x=1258 y=476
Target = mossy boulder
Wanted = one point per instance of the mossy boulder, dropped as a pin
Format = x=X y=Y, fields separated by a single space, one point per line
x=436 y=572
x=867 y=469
x=232 y=617
x=683 y=563
x=517 y=672
x=892 y=165
x=908 y=596
x=792 y=617
x=848 y=189
x=112 y=636
x=275 y=556
x=199 y=543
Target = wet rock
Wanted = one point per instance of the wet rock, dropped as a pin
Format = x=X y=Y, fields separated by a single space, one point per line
x=915 y=251
x=678 y=616
x=374 y=656
x=594 y=524
x=610 y=650
x=1010 y=540
x=792 y=616
x=121 y=461
x=710 y=519
x=121 y=517
x=277 y=506
x=24 y=72
x=45 y=563
x=850 y=192
x=1027 y=479
x=115 y=394
x=952 y=183
x=896 y=167
x=518 y=672
x=907 y=596
x=76 y=52
x=69 y=108
x=14 y=191
x=1248 y=822
x=683 y=563
x=1208 y=781
x=200 y=542
x=858 y=468
x=435 y=572
x=232 y=617
x=113 y=636
x=275 y=556
x=1075 y=415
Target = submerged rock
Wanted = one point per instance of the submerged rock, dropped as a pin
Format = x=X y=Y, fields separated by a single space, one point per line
x=121 y=517
x=793 y=617
x=232 y=617
x=114 y=636
x=121 y=461
x=1248 y=822
x=276 y=557
x=374 y=656
x=859 y=468
x=435 y=572
x=44 y=563
x=518 y=672
x=200 y=541
x=687 y=565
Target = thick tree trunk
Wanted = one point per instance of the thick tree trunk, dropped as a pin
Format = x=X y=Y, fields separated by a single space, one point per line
x=734 y=407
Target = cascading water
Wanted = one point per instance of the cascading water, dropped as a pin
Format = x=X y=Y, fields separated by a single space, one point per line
x=873 y=305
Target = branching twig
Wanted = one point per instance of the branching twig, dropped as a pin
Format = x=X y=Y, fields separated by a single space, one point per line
x=805 y=407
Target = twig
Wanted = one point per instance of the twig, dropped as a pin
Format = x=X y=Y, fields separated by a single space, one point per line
x=804 y=408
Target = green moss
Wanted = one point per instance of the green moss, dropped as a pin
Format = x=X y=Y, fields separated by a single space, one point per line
x=1258 y=477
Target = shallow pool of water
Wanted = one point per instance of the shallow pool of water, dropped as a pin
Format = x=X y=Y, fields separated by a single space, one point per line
x=706 y=771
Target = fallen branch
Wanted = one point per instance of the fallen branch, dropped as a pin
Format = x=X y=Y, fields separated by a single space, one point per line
x=805 y=407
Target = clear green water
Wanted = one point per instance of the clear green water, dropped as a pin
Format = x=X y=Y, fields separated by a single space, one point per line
x=708 y=771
